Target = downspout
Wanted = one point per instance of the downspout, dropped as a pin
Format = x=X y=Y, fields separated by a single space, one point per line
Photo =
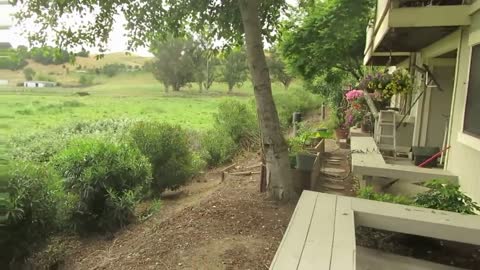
x=454 y=96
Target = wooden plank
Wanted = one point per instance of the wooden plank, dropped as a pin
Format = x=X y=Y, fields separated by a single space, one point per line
x=408 y=174
x=417 y=221
x=290 y=250
x=370 y=259
x=368 y=161
x=318 y=245
x=343 y=250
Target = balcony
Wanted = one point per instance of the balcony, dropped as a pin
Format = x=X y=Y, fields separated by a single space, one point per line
x=405 y=26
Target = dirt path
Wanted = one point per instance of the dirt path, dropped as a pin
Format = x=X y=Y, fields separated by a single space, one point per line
x=209 y=225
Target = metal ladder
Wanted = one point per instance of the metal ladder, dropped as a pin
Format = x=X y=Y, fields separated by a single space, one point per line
x=386 y=136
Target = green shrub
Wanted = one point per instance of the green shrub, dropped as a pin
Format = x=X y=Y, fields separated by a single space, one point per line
x=41 y=147
x=446 y=196
x=440 y=196
x=167 y=148
x=218 y=147
x=32 y=208
x=44 y=77
x=369 y=194
x=295 y=101
x=239 y=121
x=106 y=178
x=85 y=80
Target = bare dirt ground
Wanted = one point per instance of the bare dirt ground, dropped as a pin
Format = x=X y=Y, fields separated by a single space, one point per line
x=209 y=224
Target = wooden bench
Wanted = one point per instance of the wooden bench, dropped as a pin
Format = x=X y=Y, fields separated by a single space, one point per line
x=368 y=164
x=321 y=233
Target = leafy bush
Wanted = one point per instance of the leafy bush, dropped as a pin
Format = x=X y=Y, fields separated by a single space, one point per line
x=369 y=194
x=446 y=196
x=29 y=73
x=85 y=80
x=239 y=121
x=218 y=147
x=32 y=208
x=167 y=148
x=295 y=101
x=106 y=178
x=113 y=69
x=440 y=196
x=44 y=77
x=41 y=147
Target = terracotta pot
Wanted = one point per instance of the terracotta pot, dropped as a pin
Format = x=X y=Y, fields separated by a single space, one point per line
x=341 y=133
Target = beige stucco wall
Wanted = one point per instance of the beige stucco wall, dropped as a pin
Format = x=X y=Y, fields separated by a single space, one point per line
x=464 y=160
x=439 y=103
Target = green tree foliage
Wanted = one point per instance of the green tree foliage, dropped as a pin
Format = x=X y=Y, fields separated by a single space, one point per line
x=331 y=35
x=174 y=65
x=85 y=80
x=234 y=70
x=12 y=59
x=50 y=55
x=29 y=73
x=83 y=53
x=278 y=69
x=112 y=70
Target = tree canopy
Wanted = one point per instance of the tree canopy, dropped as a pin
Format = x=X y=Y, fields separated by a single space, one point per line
x=147 y=21
x=330 y=36
x=235 y=68
x=174 y=64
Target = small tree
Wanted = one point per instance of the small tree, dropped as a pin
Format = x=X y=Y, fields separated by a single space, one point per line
x=113 y=69
x=235 y=69
x=278 y=69
x=174 y=65
x=29 y=73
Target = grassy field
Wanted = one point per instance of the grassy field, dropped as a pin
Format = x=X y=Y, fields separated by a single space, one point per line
x=131 y=95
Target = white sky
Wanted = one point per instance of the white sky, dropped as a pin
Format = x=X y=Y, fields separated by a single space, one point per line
x=117 y=43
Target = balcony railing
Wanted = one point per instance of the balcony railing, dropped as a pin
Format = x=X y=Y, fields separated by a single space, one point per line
x=411 y=17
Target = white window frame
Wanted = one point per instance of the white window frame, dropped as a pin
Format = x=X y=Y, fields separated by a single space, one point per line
x=464 y=138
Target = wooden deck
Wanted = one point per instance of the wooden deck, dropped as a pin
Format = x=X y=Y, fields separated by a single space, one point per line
x=321 y=233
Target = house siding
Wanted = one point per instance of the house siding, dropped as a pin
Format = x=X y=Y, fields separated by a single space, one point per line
x=463 y=160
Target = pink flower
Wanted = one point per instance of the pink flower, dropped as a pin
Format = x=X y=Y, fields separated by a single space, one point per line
x=354 y=94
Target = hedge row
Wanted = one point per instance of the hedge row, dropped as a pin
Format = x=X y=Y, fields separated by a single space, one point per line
x=89 y=176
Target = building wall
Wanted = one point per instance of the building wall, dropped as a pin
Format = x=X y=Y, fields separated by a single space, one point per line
x=464 y=156
x=439 y=105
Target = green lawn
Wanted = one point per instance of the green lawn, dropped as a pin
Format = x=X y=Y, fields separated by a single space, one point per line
x=137 y=96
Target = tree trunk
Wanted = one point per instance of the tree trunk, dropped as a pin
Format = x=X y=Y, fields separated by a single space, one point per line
x=275 y=148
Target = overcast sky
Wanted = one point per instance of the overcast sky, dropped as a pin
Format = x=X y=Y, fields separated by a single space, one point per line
x=118 y=42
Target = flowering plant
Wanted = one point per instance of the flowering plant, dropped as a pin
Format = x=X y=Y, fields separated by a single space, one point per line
x=400 y=84
x=386 y=85
x=353 y=95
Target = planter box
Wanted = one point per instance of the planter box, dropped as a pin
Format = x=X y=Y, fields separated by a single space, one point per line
x=421 y=154
x=305 y=161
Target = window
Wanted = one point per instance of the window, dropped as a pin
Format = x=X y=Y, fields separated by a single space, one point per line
x=471 y=124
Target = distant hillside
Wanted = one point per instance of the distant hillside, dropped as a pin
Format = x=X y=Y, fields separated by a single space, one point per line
x=113 y=58
x=59 y=71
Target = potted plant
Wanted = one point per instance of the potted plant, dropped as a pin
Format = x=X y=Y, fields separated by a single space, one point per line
x=383 y=86
x=300 y=158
